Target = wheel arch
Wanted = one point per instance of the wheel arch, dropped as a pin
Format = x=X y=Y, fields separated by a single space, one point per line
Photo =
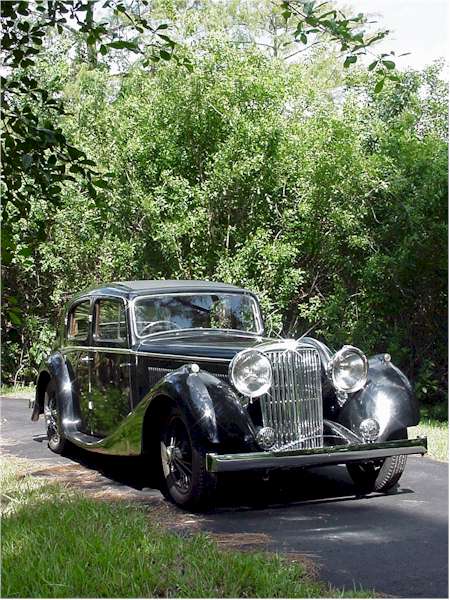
x=44 y=379
x=212 y=410
x=155 y=413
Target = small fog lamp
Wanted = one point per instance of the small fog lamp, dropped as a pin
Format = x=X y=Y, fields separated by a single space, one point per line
x=369 y=429
x=265 y=437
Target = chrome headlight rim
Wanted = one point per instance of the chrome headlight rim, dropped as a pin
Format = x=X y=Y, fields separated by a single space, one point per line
x=235 y=382
x=335 y=364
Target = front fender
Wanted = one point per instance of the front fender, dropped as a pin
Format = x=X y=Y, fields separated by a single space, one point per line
x=212 y=409
x=387 y=397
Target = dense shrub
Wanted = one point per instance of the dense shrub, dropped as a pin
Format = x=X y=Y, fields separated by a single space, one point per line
x=331 y=205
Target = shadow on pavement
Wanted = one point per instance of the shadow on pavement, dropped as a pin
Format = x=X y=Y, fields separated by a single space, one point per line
x=236 y=492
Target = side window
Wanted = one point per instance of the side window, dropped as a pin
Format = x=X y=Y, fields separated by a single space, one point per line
x=110 y=323
x=78 y=325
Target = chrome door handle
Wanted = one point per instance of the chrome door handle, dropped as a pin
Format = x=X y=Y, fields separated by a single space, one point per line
x=86 y=359
x=125 y=365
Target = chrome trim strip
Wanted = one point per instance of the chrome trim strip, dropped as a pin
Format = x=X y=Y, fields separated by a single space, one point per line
x=137 y=353
x=183 y=357
x=110 y=350
x=330 y=455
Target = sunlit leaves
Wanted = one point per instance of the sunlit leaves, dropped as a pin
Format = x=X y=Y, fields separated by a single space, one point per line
x=37 y=157
x=349 y=34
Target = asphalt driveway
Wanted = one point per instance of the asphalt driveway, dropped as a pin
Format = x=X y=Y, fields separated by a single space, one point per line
x=395 y=544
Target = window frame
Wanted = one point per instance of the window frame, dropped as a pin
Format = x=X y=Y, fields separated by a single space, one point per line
x=257 y=314
x=70 y=312
x=109 y=342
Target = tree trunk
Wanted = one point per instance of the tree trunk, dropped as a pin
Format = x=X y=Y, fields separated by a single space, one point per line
x=91 y=46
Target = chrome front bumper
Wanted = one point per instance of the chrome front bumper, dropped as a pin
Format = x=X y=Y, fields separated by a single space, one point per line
x=330 y=455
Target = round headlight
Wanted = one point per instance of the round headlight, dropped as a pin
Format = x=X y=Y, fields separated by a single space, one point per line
x=348 y=369
x=251 y=373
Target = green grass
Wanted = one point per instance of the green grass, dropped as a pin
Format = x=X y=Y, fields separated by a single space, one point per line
x=433 y=424
x=58 y=543
x=17 y=390
x=437 y=434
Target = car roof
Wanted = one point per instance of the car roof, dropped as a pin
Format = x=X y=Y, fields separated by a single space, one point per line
x=132 y=289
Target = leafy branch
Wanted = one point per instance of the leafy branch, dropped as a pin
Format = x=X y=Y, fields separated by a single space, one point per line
x=314 y=19
x=37 y=157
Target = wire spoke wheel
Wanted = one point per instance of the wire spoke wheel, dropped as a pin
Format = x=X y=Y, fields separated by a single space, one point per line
x=56 y=440
x=176 y=455
x=51 y=418
x=184 y=477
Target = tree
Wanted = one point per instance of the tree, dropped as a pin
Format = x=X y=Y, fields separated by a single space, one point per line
x=37 y=157
x=244 y=168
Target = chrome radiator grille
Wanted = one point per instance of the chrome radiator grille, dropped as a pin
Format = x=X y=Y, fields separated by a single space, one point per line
x=293 y=405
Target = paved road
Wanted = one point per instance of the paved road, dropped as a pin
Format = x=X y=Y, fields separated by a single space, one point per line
x=395 y=544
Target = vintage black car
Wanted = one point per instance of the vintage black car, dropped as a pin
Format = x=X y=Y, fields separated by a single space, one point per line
x=181 y=373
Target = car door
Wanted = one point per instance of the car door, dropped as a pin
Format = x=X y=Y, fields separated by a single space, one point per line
x=111 y=367
x=79 y=359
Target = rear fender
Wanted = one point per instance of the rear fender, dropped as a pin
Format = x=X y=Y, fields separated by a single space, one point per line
x=387 y=397
x=56 y=370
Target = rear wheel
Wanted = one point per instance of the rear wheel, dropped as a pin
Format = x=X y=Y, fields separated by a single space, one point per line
x=185 y=480
x=380 y=475
x=56 y=440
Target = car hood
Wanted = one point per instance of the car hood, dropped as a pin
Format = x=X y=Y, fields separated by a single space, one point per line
x=204 y=344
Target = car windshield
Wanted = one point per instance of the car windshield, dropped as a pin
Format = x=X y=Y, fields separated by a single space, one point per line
x=156 y=314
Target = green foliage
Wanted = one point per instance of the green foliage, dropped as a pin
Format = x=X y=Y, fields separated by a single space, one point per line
x=315 y=19
x=38 y=159
x=330 y=204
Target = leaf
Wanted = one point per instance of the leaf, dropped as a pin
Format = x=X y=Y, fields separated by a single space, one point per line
x=165 y=55
x=379 y=86
x=14 y=318
x=350 y=60
x=373 y=65
x=389 y=64
x=122 y=44
x=101 y=183
x=74 y=153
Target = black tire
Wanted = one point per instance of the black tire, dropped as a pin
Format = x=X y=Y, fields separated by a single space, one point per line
x=184 y=478
x=381 y=475
x=56 y=440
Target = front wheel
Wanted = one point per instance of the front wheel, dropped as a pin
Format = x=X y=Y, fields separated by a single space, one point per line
x=56 y=440
x=379 y=475
x=185 y=480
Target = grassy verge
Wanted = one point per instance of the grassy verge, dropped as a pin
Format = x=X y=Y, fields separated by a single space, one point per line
x=437 y=434
x=19 y=391
x=58 y=543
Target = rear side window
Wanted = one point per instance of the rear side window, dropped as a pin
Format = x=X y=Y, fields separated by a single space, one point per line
x=79 y=322
x=110 y=324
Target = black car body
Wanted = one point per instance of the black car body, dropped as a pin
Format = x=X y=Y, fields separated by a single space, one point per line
x=182 y=373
